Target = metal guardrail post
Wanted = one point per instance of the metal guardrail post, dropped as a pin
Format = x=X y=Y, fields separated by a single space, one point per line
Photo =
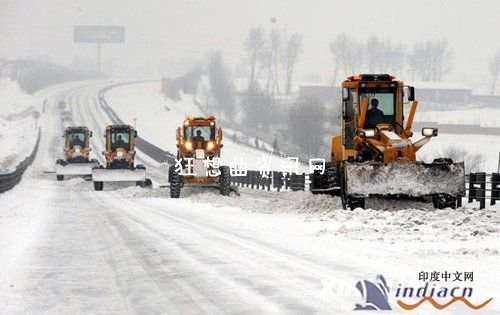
x=495 y=188
x=477 y=188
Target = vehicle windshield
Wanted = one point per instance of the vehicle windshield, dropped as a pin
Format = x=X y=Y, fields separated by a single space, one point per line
x=120 y=138
x=77 y=138
x=198 y=133
x=381 y=105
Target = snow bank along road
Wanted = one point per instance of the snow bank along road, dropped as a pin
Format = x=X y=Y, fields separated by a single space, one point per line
x=65 y=248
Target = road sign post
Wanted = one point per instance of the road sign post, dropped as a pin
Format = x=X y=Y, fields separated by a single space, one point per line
x=98 y=34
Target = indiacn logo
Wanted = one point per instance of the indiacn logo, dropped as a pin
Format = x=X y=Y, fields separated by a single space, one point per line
x=376 y=296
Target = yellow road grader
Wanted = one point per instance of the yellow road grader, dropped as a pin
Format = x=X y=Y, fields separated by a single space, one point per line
x=199 y=145
x=373 y=155
x=120 y=159
x=77 y=149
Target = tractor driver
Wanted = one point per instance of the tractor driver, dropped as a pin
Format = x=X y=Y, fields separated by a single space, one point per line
x=77 y=141
x=374 y=115
x=198 y=138
x=119 y=142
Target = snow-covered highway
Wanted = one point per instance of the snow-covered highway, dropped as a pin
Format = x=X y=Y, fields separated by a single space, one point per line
x=65 y=248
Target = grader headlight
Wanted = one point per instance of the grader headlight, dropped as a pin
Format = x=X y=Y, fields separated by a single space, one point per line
x=367 y=133
x=188 y=146
x=429 y=132
x=210 y=145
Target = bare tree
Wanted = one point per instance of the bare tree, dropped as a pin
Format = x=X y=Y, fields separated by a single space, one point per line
x=275 y=47
x=443 y=58
x=221 y=86
x=494 y=69
x=339 y=50
x=309 y=137
x=432 y=59
x=254 y=46
x=474 y=162
x=292 y=49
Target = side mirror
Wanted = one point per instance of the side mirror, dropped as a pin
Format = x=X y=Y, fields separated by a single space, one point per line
x=135 y=133
x=178 y=135
x=411 y=96
x=345 y=94
x=90 y=134
x=429 y=132
x=219 y=136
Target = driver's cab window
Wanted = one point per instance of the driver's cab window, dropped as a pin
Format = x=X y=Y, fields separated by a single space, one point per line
x=77 y=138
x=198 y=133
x=120 y=139
x=380 y=108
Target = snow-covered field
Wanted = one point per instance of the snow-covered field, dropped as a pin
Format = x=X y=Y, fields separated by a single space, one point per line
x=69 y=249
x=17 y=125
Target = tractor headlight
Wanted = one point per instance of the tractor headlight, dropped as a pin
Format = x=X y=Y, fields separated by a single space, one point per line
x=188 y=146
x=429 y=132
x=368 y=133
x=210 y=145
x=186 y=123
x=77 y=150
x=120 y=155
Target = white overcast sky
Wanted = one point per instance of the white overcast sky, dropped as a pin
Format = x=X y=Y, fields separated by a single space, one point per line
x=166 y=31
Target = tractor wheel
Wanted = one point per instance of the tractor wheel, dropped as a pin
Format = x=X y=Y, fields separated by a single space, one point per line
x=330 y=179
x=98 y=186
x=145 y=184
x=225 y=180
x=175 y=184
x=349 y=202
x=60 y=178
x=444 y=201
x=171 y=170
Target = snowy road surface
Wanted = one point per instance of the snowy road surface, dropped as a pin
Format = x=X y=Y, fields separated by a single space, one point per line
x=65 y=248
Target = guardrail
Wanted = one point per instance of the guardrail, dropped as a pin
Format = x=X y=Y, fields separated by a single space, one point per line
x=273 y=180
x=480 y=187
x=9 y=180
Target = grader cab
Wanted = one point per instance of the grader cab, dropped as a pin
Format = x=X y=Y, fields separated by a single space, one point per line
x=373 y=155
x=199 y=144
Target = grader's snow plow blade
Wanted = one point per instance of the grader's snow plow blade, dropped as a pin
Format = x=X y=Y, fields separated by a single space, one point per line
x=82 y=169
x=404 y=179
x=75 y=169
x=118 y=175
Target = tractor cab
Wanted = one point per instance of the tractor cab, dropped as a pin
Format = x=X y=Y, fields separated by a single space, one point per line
x=199 y=144
x=77 y=161
x=120 y=159
x=199 y=138
x=77 y=143
x=120 y=143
